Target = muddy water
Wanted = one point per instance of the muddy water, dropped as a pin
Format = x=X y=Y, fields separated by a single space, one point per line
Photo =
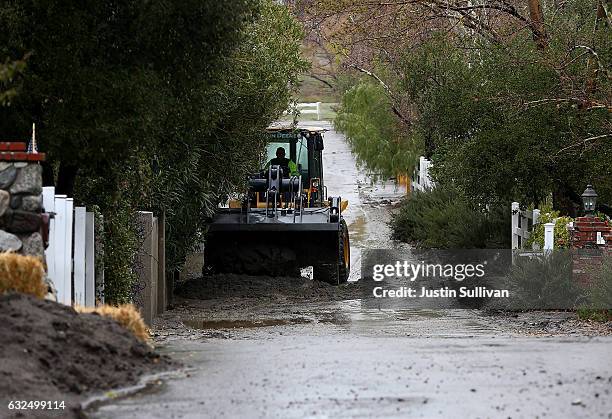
x=295 y=348
x=370 y=204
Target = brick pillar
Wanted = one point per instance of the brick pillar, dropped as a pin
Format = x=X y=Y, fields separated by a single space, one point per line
x=21 y=226
x=591 y=241
x=591 y=233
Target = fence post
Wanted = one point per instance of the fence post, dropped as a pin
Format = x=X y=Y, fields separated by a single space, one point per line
x=162 y=300
x=79 y=256
x=536 y=216
x=49 y=206
x=60 y=247
x=68 y=252
x=549 y=236
x=144 y=267
x=90 y=263
x=516 y=213
x=318 y=111
x=154 y=266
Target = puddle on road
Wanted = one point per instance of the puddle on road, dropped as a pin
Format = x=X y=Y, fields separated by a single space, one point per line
x=357 y=230
x=409 y=314
x=242 y=324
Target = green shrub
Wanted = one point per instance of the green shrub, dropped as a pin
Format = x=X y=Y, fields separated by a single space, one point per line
x=562 y=236
x=442 y=218
x=600 y=295
x=587 y=313
x=544 y=281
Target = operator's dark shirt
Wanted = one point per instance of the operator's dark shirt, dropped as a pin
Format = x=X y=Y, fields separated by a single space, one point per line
x=288 y=166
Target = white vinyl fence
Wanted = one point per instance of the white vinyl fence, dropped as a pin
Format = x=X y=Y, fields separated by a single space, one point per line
x=308 y=108
x=522 y=225
x=71 y=252
x=420 y=178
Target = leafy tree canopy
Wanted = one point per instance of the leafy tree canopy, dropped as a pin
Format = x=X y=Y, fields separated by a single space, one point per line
x=510 y=100
x=148 y=105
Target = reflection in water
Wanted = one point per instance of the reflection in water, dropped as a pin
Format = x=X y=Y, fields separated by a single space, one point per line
x=358 y=231
x=242 y=324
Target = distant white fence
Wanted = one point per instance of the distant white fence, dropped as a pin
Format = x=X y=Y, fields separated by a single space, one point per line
x=309 y=108
x=70 y=255
x=420 y=178
x=522 y=226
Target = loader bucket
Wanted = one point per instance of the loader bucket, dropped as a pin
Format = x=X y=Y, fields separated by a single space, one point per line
x=277 y=249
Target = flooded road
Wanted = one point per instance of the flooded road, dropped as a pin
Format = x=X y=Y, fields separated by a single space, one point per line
x=293 y=348
x=369 y=209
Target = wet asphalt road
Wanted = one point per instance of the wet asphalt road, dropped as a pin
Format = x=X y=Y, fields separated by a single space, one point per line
x=326 y=358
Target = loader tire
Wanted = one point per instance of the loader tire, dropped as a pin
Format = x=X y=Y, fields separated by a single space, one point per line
x=334 y=268
x=344 y=256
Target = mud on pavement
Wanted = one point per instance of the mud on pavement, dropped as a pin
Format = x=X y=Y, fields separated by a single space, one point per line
x=231 y=305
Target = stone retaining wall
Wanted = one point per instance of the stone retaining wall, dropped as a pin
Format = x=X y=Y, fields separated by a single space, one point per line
x=21 y=221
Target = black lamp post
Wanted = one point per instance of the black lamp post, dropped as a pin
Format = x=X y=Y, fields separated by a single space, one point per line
x=589 y=200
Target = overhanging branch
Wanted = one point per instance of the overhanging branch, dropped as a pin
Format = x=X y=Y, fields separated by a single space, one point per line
x=388 y=91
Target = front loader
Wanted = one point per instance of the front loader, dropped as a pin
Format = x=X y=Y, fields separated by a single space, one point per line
x=284 y=221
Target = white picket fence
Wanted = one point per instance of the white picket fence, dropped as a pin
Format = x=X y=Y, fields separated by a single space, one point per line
x=522 y=225
x=70 y=255
x=420 y=178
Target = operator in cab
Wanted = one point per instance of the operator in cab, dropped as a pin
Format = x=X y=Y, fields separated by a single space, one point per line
x=289 y=167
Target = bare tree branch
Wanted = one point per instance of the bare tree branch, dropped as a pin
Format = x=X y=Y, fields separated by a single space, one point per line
x=584 y=142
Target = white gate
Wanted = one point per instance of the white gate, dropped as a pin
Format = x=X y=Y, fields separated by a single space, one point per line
x=70 y=255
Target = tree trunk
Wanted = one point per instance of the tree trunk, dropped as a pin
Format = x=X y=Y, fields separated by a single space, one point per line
x=537 y=24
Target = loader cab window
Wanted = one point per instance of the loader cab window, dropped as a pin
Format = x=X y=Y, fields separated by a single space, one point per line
x=271 y=151
x=302 y=156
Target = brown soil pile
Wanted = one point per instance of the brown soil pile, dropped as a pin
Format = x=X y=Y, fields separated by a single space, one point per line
x=49 y=352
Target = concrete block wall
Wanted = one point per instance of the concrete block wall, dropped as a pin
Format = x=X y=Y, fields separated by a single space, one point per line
x=151 y=296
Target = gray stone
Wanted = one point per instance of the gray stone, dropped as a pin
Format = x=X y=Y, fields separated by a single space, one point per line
x=51 y=291
x=29 y=180
x=20 y=164
x=33 y=245
x=21 y=221
x=7 y=177
x=31 y=203
x=9 y=242
x=4 y=165
x=5 y=199
x=16 y=201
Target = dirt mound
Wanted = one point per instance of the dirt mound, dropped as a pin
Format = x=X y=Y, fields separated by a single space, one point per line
x=247 y=286
x=49 y=352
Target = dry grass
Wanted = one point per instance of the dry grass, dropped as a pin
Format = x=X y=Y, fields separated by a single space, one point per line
x=22 y=274
x=127 y=315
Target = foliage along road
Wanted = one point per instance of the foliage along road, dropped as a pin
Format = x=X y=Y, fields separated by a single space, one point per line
x=293 y=348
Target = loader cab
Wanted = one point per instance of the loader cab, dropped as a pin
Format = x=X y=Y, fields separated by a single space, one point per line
x=302 y=145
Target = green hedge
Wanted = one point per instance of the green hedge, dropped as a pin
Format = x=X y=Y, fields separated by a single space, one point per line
x=444 y=219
